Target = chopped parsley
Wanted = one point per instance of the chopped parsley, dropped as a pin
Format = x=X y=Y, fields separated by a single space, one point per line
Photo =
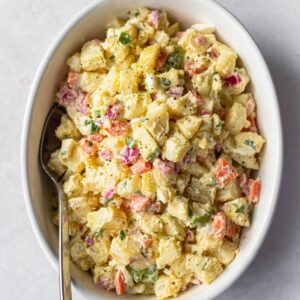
x=63 y=153
x=97 y=113
x=98 y=232
x=87 y=122
x=165 y=82
x=175 y=59
x=124 y=38
x=213 y=180
x=153 y=155
x=130 y=142
x=94 y=128
x=122 y=235
x=147 y=275
x=241 y=209
x=200 y=220
x=144 y=120
x=250 y=143
x=220 y=123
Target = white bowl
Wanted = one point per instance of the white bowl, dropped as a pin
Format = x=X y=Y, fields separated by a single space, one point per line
x=90 y=23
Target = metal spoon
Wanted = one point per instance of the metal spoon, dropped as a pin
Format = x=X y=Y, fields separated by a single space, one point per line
x=48 y=144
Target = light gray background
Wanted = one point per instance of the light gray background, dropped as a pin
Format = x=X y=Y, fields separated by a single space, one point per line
x=27 y=28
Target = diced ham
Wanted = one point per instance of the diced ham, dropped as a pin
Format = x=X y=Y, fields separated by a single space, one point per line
x=179 y=34
x=96 y=137
x=89 y=241
x=139 y=203
x=224 y=173
x=109 y=194
x=67 y=96
x=89 y=147
x=196 y=98
x=213 y=53
x=106 y=154
x=118 y=128
x=114 y=111
x=190 y=236
x=154 y=18
x=129 y=155
x=252 y=127
x=192 y=68
x=232 y=230
x=82 y=104
x=175 y=91
x=156 y=207
x=195 y=281
x=164 y=166
x=141 y=167
x=200 y=39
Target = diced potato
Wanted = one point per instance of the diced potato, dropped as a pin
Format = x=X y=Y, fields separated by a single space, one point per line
x=226 y=253
x=92 y=56
x=79 y=255
x=90 y=81
x=99 y=251
x=148 y=57
x=229 y=192
x=246 y=161
x=201 y=191
x=226 y=61
x=164 y=193
x=148 y=185
x=204 y=28
x=149 y=223
x=123 y=251
x=202 y=82
x=182 y=182
x=73 y=185
x=183 y=106
x=189 y=125
x=111 y=82
x=158 y=126
x=171 y=78
x=129 y=185
x=71 y=155
x=55 y=164
x=80 y=207
x=107 y=218
x=167 y=286
x=104 y=275
x=238 y=211
x=128 y=81
x=236 y=118
x=206 y=269
x=178 y=208
x=169 y=249
x=175 y=148
x=172 y=227
x=147 y=145
x=115 y=23
x=178 y=268
x=206 y=239
x=74 y=62
x=136 y=105
x=67 y=129
x=249 y=139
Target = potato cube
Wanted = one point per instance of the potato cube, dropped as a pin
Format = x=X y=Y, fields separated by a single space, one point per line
x=172 y=227
x=148 y=185
x=67 y=129
x=226 y=253
x=128 y=81
x=149 y=223
x=55 y=164
x=169 y=249
x=249 y=139
x=80 y=207
x=148 y=57
x=129 y=186
x=79 y=255
x=167 y=286
x=178 y=208
x=188 y=125
x=92 y=56
x=99 y=251
x=175 y=148
x=136 y=105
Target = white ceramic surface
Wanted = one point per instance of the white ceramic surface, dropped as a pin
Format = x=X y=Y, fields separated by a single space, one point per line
x=91 y=23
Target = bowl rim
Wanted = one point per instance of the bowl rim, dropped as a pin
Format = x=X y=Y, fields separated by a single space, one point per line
x=81 y=14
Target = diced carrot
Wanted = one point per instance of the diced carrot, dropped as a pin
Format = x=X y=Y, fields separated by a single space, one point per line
x=253 y=190
x=219 y=225
x=96 y=137
x=141 y=167
x=89 y=147
x=120 y=283
x=224 y=173
x=232 y=229
x=118 y=128
x=139 y=203
x=252 y=127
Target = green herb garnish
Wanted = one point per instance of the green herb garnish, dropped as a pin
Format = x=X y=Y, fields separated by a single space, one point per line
x=130 y=142
x=241 y=209
x=200 y=220
x=97 y=113
x=175 y=59
x=94 y=128
x=98 y=232
x=165 y=82
x=250 y=143
x=87 y=122
x=147 y=275
x=220 y=123
x=153 y=155
x=122 y=235
x=124 y=38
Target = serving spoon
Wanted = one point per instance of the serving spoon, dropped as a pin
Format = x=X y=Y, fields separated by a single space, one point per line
x=48 y=144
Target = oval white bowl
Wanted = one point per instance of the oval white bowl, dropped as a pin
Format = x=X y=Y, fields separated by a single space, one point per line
x=90 y=23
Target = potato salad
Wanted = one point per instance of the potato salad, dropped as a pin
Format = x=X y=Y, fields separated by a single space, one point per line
x=158 y=147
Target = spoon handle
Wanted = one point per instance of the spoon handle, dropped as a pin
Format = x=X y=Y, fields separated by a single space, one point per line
x=64 y=251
